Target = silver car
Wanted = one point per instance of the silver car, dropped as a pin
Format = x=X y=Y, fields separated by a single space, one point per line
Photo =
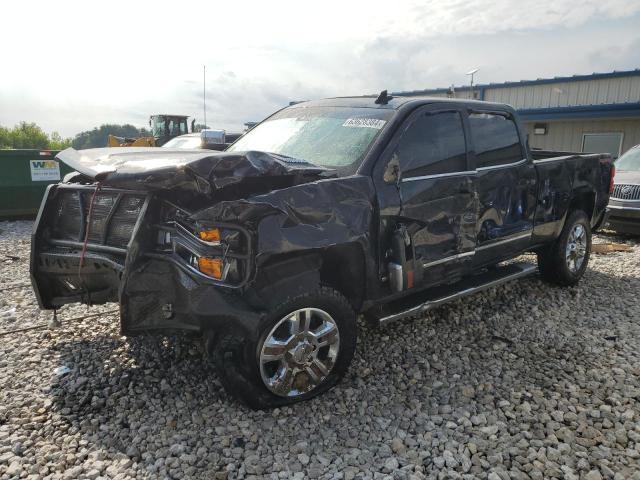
x=208 y=139
x=623 y=211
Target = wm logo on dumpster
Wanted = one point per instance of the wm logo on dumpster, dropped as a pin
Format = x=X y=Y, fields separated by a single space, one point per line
x=44 y=170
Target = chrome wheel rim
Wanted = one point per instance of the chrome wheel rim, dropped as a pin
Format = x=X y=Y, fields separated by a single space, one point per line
x=299 y=352
x=576 y=250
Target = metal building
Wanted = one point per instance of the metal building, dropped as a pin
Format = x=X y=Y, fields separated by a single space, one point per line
x=582 y=113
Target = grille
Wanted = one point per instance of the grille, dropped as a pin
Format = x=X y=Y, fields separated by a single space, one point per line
x=626 y=192
x=113 y=217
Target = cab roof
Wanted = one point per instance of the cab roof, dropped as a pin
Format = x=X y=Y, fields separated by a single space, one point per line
x=395 y=103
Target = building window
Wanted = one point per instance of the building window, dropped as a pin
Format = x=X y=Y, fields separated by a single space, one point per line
x=610 y=142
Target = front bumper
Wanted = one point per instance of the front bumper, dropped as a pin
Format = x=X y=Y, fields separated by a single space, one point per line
x=623 y=217
x=155 y=290
x=162 y=296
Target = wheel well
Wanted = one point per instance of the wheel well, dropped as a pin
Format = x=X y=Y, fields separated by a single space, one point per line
x=584 y=201
x=343 y=268
x=340 y=267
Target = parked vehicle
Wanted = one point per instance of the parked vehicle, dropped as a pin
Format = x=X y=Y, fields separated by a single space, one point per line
x=381 y=206
x=163 y=128
x=623 y=211
x=209 y=139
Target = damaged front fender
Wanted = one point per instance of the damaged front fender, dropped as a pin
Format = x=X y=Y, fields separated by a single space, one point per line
x=314 y=215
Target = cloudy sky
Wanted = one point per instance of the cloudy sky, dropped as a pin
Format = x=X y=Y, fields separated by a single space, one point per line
x=70 y=66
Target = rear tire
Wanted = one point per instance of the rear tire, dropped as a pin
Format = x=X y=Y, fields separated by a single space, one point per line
x=313 y=360
x=565 y=260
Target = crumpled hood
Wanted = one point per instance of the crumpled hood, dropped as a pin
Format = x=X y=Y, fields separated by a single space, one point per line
x=201 y=171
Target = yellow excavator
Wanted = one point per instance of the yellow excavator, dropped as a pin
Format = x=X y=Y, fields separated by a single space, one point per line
x=115 y=141
x=163 y=128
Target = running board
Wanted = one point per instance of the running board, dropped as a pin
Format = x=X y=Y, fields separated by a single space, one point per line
x=437 y=296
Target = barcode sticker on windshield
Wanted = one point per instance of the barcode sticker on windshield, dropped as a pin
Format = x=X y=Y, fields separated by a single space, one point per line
x=364 y=123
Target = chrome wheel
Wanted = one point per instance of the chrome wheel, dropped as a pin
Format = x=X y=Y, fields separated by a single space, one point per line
x=576 y=249
x=299 y=352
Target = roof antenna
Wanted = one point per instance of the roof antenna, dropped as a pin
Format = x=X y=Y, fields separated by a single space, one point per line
x=383 y=98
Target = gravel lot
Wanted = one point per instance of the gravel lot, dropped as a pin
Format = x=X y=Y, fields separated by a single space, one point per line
x=526 y=381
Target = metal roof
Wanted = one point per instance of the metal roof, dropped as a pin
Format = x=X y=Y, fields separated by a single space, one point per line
x=574 y=112
x=522 y=83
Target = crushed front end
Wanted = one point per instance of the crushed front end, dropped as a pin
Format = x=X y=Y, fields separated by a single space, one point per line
x=173 y=236
x=94 y=244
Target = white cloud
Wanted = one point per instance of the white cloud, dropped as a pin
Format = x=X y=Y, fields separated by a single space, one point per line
x=72 y=66
x=487 y=17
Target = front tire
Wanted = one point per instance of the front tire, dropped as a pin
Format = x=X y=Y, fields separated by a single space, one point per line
x=302 y=349
x=565 y=261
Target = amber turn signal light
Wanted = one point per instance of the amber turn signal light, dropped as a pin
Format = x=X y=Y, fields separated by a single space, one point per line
x=212 y=235
x=211 y=267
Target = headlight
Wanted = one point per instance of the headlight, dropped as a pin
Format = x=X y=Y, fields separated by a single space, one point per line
x=213 y=267
x=210 y=236
x=220 y=251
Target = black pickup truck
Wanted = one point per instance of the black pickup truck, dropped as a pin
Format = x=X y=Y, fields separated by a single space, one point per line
x=379 y=206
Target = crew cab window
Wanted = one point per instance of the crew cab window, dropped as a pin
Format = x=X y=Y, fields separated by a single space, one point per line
x=433 y=144
x=496 y=140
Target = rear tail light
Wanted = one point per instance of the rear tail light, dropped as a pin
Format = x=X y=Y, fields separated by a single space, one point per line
x=611 y=183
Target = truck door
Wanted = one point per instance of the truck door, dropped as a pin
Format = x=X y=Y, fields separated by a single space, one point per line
x=506 y=186
x=432 y=233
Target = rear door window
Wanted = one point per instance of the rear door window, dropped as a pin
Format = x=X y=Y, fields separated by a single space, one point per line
x=496 y=140
x=433 y=144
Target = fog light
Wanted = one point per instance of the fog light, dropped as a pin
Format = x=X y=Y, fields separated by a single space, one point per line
x=211 y=267
x=212 y=235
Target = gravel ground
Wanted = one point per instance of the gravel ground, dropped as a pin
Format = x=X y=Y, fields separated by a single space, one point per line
x=525 y=381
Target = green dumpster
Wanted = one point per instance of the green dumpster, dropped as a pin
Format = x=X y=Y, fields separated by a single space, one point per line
x=24 y=177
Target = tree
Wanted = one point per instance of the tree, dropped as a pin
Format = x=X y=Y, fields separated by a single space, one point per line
x=56 y=142
x=98 y=136
x=28 y=135
x=5 y=137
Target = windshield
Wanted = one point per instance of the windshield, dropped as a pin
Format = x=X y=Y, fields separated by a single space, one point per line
x=325 y=136
x=630 y=161
x=162 y=126
x=184 y=142
x=157 y=128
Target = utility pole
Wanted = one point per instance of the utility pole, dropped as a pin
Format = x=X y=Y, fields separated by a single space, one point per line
x=472 y=73
x=204 y=93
